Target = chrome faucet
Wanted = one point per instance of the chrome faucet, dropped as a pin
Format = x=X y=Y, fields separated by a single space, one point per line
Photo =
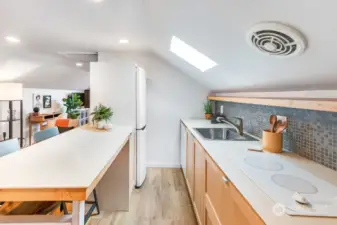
x=238 y=128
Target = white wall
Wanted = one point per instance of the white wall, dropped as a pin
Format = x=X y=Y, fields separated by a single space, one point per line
x=57 y=96
x=113 y=84
x=172 y=95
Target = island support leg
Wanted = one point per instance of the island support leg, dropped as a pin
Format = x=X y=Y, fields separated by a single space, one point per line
x=78 y=212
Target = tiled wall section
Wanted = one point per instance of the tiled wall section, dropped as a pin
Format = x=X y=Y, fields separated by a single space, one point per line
x=312 y=134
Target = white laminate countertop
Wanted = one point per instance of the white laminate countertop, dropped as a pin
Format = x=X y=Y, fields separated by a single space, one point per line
x=70 y=160
x=224 y=151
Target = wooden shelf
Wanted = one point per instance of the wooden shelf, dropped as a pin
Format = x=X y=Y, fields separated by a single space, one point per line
x=327 y=105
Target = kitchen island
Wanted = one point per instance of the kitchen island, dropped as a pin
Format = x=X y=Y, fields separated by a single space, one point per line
x=69 y=167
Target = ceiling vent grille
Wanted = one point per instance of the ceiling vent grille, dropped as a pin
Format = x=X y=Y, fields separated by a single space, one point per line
x=276 y=39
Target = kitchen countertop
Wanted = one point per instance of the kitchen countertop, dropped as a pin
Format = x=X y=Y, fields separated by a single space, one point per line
x=72 y=161
x=223 y=151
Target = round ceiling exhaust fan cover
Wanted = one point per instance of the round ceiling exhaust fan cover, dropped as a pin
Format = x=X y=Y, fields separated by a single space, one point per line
x=276 y=39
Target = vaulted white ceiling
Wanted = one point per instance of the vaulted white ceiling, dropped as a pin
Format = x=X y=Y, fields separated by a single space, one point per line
x=218 y=28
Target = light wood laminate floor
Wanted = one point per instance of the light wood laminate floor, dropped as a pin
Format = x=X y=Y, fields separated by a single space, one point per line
x=163 y=200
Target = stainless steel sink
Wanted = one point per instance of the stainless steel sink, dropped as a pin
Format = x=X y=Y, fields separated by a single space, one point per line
x=223 y=134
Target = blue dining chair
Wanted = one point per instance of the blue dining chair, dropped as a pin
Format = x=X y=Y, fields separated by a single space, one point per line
x=10 y=146
x=45 y=134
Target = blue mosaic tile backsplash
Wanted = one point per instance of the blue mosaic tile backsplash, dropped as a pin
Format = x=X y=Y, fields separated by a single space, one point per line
x=311 y=134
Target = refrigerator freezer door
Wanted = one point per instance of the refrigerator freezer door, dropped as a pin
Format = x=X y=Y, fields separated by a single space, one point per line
x=141 y=157
x=141 y=98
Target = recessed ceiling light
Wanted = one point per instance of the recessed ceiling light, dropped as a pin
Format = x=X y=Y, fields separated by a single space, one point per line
x=97 y=1
x=191 y=55
x=12 y=39
x=79 y=64
x=124 y=41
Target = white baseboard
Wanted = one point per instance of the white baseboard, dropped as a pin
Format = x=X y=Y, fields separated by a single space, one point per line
x=163 y=165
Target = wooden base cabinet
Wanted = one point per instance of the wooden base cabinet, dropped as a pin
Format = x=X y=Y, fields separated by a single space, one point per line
x=224 y=203
x=216 y=201
x=199 y=182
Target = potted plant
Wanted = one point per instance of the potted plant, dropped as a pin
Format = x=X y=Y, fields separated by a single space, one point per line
x=101 y=114
x=208 y=110
x=72 y=103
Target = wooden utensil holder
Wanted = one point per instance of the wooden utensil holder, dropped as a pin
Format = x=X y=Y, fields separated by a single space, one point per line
x=272 y=142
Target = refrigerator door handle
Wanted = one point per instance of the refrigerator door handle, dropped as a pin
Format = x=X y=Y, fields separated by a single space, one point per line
x=143 y=128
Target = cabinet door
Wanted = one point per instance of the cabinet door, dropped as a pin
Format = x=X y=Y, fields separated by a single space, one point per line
x=208 y=221
x=217 y=197
x=243 y=212
x=199 y=183
x=190 y=164
x=183 y=145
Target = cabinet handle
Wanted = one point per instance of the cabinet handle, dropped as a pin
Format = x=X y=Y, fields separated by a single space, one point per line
x=225 y=180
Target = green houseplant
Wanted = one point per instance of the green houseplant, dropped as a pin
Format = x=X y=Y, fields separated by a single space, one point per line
x=101 y=114
x=72 y=103
x=208 y=110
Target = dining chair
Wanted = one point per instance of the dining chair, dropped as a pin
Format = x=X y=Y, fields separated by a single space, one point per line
x=64 y=129
x=45 y=134
x=62 y=122
x=10 y=146
x=63 y=125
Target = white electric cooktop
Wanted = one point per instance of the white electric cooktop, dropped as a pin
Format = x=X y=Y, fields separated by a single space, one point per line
x=280 y=179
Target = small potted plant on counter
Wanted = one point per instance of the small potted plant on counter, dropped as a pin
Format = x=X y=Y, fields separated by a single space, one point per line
x=101 y=115
x=208 y=110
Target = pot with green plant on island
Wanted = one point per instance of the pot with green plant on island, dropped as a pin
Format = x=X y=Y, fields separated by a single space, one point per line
x=101 y=115
x=208 y=110
x=72 y=103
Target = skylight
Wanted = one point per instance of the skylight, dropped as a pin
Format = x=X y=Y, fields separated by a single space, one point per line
x=191 y=55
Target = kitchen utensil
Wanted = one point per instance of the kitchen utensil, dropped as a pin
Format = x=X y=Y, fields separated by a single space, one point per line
x=281 y=126
x=272 y=121
x=300 y=199
x=255 y=150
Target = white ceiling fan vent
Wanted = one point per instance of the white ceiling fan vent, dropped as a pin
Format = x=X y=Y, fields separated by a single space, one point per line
x=276 y=39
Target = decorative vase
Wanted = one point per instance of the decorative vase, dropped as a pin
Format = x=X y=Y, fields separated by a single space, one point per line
x=208 y=116
x=108 y=126
x=100 y=124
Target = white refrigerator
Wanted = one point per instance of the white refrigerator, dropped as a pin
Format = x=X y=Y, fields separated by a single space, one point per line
x=122 y=85
x=140 y=126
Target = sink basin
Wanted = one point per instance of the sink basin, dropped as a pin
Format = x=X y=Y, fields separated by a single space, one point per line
x=223 y=134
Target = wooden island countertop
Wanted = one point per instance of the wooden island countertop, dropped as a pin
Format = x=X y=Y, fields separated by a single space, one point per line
x=68 y=167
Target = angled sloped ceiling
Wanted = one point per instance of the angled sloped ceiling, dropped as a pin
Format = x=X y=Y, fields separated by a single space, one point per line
x=217 y=28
